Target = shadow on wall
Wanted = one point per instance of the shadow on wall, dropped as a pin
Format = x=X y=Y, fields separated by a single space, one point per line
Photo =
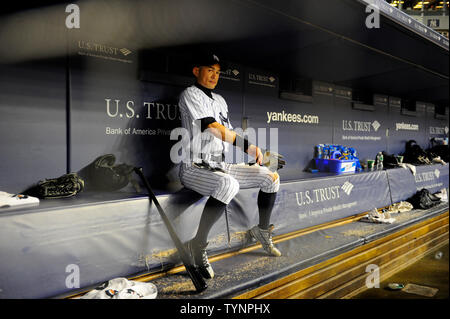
x=150 y=144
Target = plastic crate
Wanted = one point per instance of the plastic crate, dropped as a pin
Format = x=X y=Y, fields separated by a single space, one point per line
x=336 y=166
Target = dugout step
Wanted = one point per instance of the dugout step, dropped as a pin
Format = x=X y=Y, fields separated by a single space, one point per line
x=253 y=269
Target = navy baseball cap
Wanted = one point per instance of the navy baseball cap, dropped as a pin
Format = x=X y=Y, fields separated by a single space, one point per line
x=208 y=59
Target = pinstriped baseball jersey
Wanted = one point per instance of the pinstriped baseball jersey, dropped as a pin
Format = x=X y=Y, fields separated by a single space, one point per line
x=194 y=105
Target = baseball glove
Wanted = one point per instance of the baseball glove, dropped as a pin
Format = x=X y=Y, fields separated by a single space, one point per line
x=273 y=160
x=66 y=185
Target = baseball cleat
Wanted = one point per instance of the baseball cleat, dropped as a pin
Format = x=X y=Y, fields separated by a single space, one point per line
x=200 y=257
x=264 y=236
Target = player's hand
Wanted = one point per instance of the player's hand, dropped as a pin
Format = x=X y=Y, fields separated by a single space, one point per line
x=256 y=152
x=273 y=160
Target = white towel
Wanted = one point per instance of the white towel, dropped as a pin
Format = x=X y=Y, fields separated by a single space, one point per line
x=10 y=200
x=122 y=288
x=411 y=167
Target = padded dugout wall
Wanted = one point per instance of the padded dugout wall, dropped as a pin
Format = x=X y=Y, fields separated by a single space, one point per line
x=47 y=129
x=363 y=130
x=109 y=97
x=112 y=111
x=32 y=123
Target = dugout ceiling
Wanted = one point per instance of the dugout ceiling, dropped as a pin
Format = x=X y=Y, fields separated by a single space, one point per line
x=329 y=41
x=324 y=40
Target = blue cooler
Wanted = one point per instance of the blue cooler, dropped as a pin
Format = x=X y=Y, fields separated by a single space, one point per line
x=336 y=166
x=322 y=164
x=342 y=166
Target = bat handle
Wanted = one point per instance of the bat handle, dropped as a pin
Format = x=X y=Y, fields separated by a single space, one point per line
x=139 y=171
x=197 y=279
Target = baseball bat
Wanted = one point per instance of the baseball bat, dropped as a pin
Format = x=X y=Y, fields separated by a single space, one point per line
x=192 y=270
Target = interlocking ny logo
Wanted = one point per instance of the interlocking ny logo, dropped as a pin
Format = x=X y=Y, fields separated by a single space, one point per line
x=347 y=187
x=376 y=125
x=125 y=51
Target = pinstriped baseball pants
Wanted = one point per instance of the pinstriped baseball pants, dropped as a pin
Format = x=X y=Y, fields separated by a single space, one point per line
x=224 y=186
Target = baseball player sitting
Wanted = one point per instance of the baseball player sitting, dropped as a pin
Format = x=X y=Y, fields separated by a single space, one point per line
x=206 y=172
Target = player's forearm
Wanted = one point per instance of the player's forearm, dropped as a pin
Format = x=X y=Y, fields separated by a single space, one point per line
x=229 y=136
x=222 y=132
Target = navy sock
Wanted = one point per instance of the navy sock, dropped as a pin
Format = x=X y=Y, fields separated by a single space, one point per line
x=211 y=214
x=265 y=206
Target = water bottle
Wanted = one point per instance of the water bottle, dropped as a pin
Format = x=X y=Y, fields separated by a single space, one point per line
x=326 y=152
x=379 y=161
x=378 y=167
x=319 y=151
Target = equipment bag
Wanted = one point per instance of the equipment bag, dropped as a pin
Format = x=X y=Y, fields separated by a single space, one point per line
x=423 y=199
x=103 y=175
x=390 y=160
x=414 y=154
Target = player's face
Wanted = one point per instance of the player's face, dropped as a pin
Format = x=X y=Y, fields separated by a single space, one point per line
x=208 y=76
